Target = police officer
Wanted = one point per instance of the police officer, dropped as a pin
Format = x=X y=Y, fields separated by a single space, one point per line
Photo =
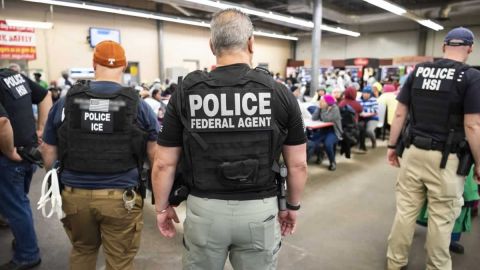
x=19 y=134
x=232 y=125
x=99 y=133
x=442 y=102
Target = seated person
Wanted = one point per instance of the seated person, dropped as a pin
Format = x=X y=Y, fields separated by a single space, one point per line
x=328 y=112
x=350 y=99
x=368 y=118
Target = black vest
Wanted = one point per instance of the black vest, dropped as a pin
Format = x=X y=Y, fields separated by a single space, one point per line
x=231 y=138
x=100 y=133
x=16 y=98
x=437 y=99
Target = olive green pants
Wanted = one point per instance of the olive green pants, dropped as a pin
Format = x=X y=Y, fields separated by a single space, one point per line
x=98 y=217
x=420 y=178
x=246 y=231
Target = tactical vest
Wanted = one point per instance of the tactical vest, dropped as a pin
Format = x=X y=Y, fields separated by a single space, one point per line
x=100 y=133
x=231 y=138
x=15 y=96
x=437 y=99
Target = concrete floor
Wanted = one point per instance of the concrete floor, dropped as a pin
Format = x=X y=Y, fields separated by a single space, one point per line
x=344 y=223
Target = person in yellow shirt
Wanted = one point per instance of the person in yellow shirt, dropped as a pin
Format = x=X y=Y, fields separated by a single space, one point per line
x=389 y=99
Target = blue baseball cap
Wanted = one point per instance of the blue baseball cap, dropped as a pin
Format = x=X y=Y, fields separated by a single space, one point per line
x=459 y=36
x=367 y=89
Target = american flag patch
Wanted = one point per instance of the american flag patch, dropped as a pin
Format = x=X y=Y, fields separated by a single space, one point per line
x=99 y=105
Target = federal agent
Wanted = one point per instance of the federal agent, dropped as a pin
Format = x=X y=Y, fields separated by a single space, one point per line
x=442 y=102
x=230 y=126
x=99 y=133
x=18 y=136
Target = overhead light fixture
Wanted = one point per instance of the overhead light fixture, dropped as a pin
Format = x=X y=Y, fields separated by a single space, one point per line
x=387 y=6
x=339 y=30
x=274 y=35
x=141 y=14
x=255 y=12
x=274 y=16
x=29 y=24
x=403 y=12
x=430 y=24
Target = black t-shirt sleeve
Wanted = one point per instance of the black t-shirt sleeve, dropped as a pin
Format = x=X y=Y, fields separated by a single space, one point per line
x=171 y=132
x=405 y=93
x=3 y=112
x=294 y=124
x=38 y=92
x=472 y=93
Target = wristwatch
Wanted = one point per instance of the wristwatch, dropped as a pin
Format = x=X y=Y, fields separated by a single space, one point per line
x=293 y=207
x=392 y=146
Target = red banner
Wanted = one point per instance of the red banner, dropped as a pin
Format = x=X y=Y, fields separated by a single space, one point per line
x=17 y=43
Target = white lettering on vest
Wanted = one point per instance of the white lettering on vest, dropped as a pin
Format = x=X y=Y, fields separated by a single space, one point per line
x=431 y=84
x=195 y=103
x=95 y=116
x=252 y=110
x=14 y=80
x=206 y=103
x=97 y=127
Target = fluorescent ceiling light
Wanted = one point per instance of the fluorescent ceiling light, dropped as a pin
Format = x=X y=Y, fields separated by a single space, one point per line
x=403 y=12
x=273 y=35
x=256 y=12
x=274 y=16
x=29 y=24
x=145 y=15
x=387 y=6
x=339 y=30
x=430 y=24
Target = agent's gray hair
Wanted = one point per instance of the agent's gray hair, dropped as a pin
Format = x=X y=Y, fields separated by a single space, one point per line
x=230 y=30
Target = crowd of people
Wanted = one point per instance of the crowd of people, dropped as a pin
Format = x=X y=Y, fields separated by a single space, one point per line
x=357 y=113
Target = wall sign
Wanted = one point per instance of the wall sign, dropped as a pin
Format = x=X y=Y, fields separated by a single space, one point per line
x=17 y=43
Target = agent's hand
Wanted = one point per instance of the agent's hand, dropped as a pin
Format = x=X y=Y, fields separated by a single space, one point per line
x=392 y=158
x=13 y=156
x=288 y=221
x=165 y=222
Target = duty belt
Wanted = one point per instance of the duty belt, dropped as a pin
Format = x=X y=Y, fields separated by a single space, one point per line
x=430 y=144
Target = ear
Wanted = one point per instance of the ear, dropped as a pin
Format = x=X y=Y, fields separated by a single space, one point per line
x=470 y=49
x=250 y=44
x=211 y=47
x=94 y=66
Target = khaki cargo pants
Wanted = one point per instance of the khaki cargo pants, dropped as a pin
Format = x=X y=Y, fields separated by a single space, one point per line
x=421 y=178
x=98 y=217
x=248 y=232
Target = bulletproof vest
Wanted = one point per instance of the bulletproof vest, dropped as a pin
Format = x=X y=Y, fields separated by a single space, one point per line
x=15 y=96
x=99 y=133
x=231 y=138
x=437 y=98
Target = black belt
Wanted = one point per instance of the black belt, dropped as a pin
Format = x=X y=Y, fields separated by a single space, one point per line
x=430 y=144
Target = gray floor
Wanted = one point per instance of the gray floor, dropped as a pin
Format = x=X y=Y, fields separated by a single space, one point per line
x=344 y=224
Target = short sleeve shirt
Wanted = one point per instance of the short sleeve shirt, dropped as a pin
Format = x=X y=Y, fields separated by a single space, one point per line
x=16 y=104
x=285 y=108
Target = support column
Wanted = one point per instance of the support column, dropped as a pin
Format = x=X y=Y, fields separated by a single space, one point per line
x=161 y=46
x=316 y=41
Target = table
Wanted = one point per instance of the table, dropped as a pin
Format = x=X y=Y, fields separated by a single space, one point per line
x=311 y=124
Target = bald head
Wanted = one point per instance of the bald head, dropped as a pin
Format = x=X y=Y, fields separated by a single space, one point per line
x=231 y=30
x=15 y=67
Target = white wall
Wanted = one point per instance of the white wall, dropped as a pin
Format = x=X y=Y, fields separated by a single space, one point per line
x=184 y=42
x=372 y=45
x=380 y=45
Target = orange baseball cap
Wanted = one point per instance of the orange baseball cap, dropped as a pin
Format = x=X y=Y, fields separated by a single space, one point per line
x=109 y=54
